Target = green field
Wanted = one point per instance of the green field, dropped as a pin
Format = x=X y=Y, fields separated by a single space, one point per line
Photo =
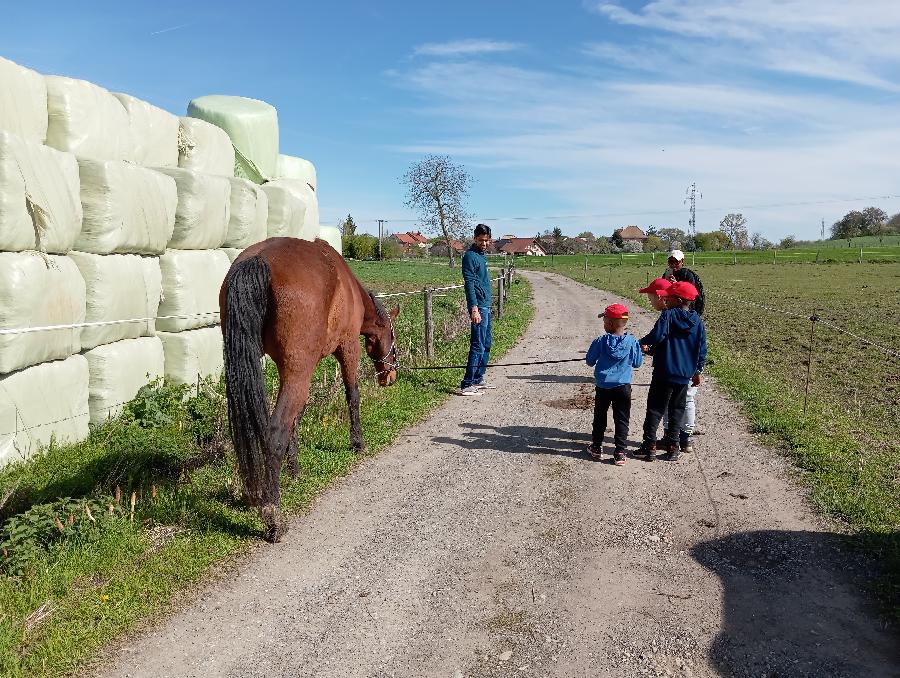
x=847 y=447
x=78 y=568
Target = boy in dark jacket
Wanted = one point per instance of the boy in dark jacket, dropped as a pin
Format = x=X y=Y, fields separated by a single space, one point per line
x=613 y=356
x=678 y=344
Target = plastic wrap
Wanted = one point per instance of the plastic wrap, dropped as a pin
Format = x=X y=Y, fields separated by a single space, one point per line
x=37 y=291
x=39 y=203
x=331 y=235
x=127 y=209
x=23 y=101
x=203 y=147
x=249 y=214
x=153 y=131
x=293 y=209
x=204 y=208
x=43 y=403
x=193 y=354
x=119 y=287
x=118 y=371
x=291 y=167
x=191 y=280
x=85 y=119
x=252 y=126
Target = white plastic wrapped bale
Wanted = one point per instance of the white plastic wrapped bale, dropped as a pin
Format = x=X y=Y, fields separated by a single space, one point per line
x=232 y=253
x=118 y=371
x=252 y=126
x=203 y=147
x=249 y=214
x=204 y=208
x=288 y=218
x=85 y=119
x=331 y=235
x=119 y=287
x=38 y=291
x=23 y=101
x=154 y=131
x=191 y=280
x=43 y=403
x=291 y=167
x=193 y=354
x=39 y=204
x=127 y=209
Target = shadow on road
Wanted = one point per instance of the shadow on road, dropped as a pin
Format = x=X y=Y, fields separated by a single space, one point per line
x=791 y=607
x=553 y=378
x=521 y=439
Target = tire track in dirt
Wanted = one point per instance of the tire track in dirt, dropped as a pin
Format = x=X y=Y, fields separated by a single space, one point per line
x=485 y=543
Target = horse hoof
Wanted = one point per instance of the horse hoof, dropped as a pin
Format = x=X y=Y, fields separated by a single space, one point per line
x=275 y=525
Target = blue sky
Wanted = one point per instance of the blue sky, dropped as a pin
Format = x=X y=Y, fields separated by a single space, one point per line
x=587 y=115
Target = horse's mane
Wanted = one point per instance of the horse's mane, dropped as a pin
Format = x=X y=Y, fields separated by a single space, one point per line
x=379 y=308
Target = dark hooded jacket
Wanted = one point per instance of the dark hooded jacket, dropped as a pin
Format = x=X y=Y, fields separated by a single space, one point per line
x=678 y=344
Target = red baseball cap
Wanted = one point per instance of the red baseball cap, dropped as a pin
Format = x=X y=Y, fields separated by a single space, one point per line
x=682 y=290
x=658 y=286
x=615 y=311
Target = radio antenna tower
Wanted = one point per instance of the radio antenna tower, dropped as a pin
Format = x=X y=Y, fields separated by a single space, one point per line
x=691 y=195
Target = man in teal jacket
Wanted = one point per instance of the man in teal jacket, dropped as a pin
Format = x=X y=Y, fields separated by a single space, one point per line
x=478 y=303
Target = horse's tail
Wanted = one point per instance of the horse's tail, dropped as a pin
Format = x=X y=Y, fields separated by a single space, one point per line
x=248 y=412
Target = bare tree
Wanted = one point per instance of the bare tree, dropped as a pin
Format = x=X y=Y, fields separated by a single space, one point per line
x=437 y=189
x=735 y=227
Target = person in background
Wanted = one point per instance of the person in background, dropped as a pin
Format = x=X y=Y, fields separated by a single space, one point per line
x=477 y=284
x=613 y=356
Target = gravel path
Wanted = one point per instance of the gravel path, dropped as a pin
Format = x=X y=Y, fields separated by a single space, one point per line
x=485 y=543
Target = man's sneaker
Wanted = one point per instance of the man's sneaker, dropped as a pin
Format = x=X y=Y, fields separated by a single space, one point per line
x=672 y=451
x=594 y=451
x=469 y=391
x=484 y=385
x=646 y=452
x=619 y=458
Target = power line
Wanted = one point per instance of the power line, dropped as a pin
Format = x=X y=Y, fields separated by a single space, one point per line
x=726 y=208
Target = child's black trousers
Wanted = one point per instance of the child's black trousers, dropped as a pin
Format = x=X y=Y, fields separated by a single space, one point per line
x=620 y=399
x=664 y=395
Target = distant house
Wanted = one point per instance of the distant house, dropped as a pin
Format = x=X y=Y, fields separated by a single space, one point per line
x=410 y=240
x=633 y=233
x=439 y=248
x=528 y=247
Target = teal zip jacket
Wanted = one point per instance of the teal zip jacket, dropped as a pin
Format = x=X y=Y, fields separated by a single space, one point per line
x=476 y=279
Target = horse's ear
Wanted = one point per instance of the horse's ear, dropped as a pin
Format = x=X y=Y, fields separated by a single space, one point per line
x=394 y=312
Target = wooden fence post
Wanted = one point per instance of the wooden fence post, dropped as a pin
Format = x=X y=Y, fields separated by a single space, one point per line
x=734 y=256
x=692 y=259
x=585 y=269
x=429 y=324
x=501 y=292
x=860 y=255
x=653 y=259
x=817 y=256
x=774 y=256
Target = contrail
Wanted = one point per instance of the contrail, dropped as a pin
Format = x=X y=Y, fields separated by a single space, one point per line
x=173 y=28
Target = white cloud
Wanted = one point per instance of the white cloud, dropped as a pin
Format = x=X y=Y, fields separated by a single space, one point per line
x=465 y=48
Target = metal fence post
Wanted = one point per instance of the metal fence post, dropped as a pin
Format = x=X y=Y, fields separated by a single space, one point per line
x=429 y=324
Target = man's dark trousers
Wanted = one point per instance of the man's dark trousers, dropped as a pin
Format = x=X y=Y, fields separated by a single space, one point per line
x=664 y=395
x=620 y=399
x=479 y=350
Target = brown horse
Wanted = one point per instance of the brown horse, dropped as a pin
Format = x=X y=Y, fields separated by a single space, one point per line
x=298 y=302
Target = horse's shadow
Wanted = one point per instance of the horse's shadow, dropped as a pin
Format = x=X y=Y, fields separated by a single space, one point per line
x=521 y=440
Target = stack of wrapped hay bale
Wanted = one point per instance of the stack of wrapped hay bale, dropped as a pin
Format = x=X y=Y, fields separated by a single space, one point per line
x=43 y=380
x=118 y=223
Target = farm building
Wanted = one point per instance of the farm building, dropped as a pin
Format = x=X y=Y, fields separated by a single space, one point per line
x=520 y=247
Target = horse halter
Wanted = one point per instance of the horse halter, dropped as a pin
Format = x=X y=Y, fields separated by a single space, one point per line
x=392 y=366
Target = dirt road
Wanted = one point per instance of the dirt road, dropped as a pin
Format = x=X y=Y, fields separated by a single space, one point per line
x=485 y=543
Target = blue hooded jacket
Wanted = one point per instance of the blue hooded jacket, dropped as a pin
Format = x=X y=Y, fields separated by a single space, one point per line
x=678 y=343
x=476 y=279
x=613 y=356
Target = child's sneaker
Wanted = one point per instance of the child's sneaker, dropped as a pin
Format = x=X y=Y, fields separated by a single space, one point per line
x=672 y=451
x=647 y=451
x=619 y=458
x=687 y=446
x=594 y=451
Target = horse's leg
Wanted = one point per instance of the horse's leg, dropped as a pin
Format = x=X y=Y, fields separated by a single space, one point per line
x=348 y=357
x=292 y=397
x=293 y=464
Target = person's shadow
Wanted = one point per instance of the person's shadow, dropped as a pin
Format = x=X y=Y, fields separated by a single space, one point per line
x=793 y=607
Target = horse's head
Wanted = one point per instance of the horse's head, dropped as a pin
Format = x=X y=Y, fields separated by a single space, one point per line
x=381 y=345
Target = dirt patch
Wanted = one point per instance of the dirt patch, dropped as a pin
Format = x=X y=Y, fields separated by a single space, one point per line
x=582 y=400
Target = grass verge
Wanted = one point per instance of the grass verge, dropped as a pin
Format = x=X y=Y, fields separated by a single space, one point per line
x=103 y=534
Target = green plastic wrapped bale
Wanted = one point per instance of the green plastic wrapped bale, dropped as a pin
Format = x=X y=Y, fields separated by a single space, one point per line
x=252 y=126
x=290 y=167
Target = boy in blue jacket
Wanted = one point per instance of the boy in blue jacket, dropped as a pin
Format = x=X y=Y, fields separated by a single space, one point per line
x=613 y=356
x=678 y=344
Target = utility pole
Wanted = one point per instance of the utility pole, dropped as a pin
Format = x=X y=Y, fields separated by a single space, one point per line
x=691 y=196
x=823 y=229
x=380 y=233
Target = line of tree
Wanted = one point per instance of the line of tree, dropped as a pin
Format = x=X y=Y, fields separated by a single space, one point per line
x=870 y=221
